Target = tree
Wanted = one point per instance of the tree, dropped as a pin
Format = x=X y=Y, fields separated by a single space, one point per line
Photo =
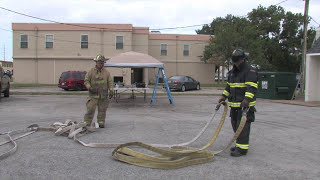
x=230 y=33
x=271 y=35
x=281 y=33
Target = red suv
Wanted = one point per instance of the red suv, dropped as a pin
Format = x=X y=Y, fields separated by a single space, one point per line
x=72 y=80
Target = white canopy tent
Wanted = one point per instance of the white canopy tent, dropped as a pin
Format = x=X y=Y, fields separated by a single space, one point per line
x=133 y=59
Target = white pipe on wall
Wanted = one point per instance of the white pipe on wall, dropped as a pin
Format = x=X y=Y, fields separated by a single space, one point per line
x=54 y=71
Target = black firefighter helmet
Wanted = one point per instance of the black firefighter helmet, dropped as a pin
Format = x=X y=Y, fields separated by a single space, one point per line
x=238 y=54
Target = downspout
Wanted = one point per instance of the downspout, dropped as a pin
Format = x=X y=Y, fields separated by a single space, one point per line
x=177 y=55
x=101 y=41
x=36 y=57
x=54 y=71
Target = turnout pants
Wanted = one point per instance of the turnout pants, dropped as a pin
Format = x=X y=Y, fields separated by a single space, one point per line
x=91 y=104
x=243 y=139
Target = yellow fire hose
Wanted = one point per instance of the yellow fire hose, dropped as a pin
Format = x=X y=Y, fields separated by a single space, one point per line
x=175 y=157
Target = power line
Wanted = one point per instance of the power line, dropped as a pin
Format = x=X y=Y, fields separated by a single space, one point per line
x=286 y=1
x=281 y=2
x=47 y=19
x=309 y=16
x=93 y=27
x=180 y=27
x=270 y=5
x=101 y=28
x=314 y=20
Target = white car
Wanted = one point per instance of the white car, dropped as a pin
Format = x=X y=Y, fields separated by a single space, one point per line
x=216 y=78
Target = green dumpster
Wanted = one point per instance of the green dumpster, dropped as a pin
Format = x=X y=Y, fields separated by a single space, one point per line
x=276 y=85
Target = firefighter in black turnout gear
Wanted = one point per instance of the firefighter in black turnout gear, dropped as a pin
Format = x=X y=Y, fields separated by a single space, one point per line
x=241 y=92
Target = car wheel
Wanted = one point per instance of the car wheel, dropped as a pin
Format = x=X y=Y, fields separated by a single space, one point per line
x=183 y=88
x=6 y=93
x=78 y=87
x=198 y=86
x=66 y=89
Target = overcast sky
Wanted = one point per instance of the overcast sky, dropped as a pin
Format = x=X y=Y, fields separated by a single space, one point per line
x=140 y=13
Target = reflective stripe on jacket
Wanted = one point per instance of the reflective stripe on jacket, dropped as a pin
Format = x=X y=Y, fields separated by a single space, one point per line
x=100 y=80
x=241 y=84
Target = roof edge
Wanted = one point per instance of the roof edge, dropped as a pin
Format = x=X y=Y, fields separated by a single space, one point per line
x=70 y=27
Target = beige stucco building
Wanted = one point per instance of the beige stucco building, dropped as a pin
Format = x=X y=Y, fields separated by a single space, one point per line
x=42 y=51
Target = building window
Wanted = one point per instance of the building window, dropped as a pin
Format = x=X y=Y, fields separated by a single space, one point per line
x=23 y=41
x=186 y=50
x=119 y=42
x=49 y=41
x=84 y=41
x=163 y=49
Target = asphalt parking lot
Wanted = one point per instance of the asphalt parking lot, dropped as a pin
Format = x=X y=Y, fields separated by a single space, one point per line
x=284 y=141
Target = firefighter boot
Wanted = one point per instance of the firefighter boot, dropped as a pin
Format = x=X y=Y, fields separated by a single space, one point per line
x=88 y=123
x=233 y=148
x=238 y=152
x=101 y=124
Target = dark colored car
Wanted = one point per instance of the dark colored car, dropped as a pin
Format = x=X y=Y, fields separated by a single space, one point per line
x=4 y=84
x=183 y=83
x=72 y=80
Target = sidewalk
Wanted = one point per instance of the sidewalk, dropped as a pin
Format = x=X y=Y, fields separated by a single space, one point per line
x=204 y=91
x=160 y=90
x=299 y=102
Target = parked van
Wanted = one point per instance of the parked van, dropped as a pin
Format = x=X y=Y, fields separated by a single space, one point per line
x=72 y=80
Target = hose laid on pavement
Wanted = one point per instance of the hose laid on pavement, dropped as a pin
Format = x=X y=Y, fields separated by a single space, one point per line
x=114 y=145
x=175 y=157
x=178 y=155
x=29 y=130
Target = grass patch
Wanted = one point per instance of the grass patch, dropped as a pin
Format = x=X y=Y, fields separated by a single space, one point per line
x=202 y=85
x=48 y=93
x=31 y=85
x=214 y=85
x=191 y=94
x=300 y=94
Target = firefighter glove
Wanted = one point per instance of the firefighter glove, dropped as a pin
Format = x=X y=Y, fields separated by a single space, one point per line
x=245 y=103
x=93 y=90
x=222 y=98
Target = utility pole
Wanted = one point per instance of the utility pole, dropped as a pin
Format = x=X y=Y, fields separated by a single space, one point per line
x=304 y=52
x=4 y=52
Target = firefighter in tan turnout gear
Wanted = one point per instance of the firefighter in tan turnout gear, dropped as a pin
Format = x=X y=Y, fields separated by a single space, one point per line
x=99 y=84
x=241 y=93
